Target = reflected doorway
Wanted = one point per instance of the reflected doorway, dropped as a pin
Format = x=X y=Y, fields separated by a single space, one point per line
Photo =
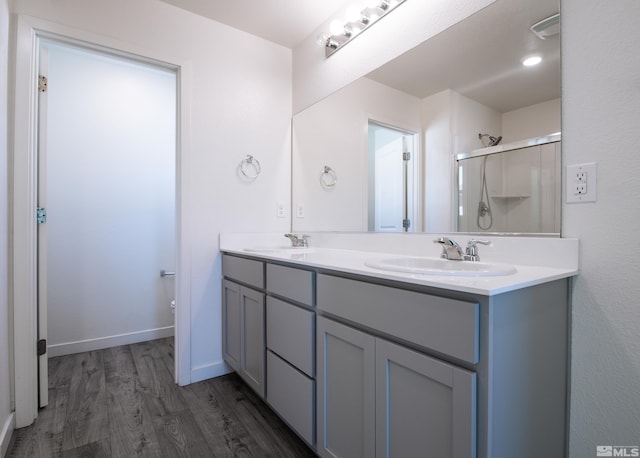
x=392 y=199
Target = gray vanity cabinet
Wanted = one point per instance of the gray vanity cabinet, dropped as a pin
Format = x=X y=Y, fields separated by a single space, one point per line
x=377 y=398
x=291 y=364
x=243 y=340
x=363 y=367
x=454 y=374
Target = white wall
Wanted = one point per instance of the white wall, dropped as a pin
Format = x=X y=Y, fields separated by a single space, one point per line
x=334 y=133
x=601 y=109
x=6 y=427
x=240 y=100
x=533 y=121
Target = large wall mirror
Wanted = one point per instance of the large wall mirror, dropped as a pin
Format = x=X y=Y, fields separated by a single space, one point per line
x=455 y=134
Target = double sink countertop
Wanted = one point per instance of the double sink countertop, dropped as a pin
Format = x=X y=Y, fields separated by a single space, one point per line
x=537 y=260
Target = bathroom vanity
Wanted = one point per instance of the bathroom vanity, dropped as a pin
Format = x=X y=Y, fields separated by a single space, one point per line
x=364 y=362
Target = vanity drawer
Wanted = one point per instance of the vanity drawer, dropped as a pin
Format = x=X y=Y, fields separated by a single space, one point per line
x=449 y=326
x=292 y=395
x=243 y=270
x=294 y=284
x=290 y=334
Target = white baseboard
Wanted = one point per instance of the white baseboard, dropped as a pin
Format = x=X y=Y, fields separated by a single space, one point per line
x=69 y=348
x=6 y=432
x=207 y=371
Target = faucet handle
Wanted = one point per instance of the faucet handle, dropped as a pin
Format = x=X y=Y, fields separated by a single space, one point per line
x=446 y=241
x=471 y=253
x=450 y=248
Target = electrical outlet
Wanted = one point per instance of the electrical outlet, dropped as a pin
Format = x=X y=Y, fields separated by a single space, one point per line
x=281 y=210
x=300 y=211
x=581 y=183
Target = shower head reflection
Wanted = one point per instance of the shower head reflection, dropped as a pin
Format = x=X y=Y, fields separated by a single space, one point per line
x=493 y=141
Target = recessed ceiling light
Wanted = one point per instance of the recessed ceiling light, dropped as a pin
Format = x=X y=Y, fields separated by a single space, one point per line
x=531 y=61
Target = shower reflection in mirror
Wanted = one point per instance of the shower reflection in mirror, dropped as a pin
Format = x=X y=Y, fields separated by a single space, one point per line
x=510 y=188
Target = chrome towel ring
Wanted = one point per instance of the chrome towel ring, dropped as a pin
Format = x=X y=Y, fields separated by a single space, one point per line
x=250 y=167
x=328 y=177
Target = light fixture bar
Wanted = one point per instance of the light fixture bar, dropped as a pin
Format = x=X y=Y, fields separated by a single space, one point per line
x=343 y=32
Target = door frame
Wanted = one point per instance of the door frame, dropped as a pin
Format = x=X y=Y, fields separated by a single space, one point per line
x=23 y=190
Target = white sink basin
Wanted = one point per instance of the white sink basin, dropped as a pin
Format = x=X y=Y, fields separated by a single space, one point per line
x=439 y=266
x=276 y=249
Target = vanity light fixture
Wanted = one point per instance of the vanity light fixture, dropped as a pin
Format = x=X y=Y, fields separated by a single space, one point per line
x=357 y=20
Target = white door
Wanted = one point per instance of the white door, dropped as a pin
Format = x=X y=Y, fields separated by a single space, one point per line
x=390 y=187
x=107 y=153
x=391 y=155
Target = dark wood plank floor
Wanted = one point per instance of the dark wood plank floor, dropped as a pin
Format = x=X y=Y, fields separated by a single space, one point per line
x=122 y=402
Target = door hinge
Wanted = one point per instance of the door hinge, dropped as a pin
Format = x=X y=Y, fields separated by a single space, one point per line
x=406 y=156
x=42 y=347
x=41 y=215
x=42 y=83
x=406 y=223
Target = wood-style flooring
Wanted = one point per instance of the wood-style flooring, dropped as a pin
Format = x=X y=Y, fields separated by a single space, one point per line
x=123 y=402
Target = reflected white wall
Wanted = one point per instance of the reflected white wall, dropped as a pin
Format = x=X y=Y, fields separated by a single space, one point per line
x=334 y=132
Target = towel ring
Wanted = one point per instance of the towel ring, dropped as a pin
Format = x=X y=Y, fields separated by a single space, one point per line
x=328 y=177
x=248 y=163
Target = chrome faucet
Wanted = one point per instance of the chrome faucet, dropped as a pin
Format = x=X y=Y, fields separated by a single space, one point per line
x=471 y=253
x=452 y=251
x=298 y=240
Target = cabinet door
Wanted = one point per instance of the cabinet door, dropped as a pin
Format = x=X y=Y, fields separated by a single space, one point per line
x=346 y=397
x=252 y=350
x=231 y=330
x=424 y=407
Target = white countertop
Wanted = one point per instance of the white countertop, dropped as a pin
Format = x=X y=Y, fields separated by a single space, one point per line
x=547 y=260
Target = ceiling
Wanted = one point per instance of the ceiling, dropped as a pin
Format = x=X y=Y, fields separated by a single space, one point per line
x=479 y=57
x=286 y=22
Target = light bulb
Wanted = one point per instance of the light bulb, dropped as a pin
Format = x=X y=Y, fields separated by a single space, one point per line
x=531 y=61
x=372 y=3
x=353 y=14
x=336 y=27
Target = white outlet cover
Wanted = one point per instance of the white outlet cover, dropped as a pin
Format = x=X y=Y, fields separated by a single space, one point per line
x=579 y=177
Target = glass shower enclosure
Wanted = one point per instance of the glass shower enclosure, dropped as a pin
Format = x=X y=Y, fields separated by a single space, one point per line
x=511 y=188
